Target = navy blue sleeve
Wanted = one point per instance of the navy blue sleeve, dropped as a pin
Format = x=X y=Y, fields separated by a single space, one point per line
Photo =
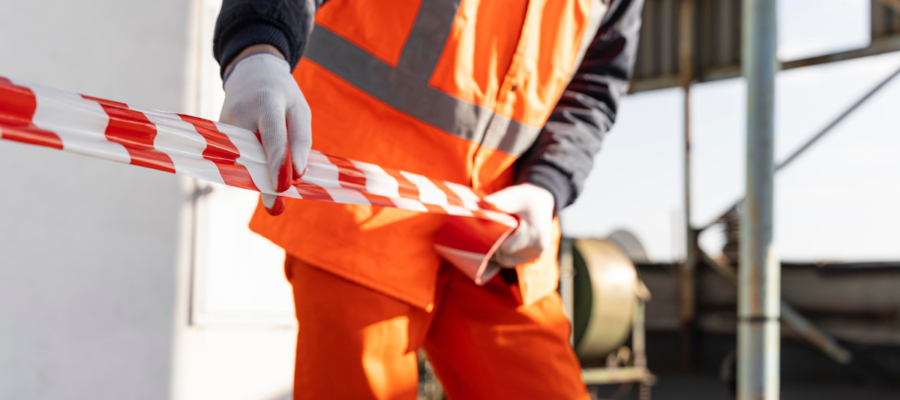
x=284 y=24
x=563 y=154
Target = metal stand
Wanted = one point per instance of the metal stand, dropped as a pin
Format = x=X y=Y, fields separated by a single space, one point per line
x=567 y=282
x=625 y=366
x=634 y=369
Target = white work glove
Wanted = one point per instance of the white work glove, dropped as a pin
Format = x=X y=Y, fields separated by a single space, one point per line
x=533 y=206
x=261 y=95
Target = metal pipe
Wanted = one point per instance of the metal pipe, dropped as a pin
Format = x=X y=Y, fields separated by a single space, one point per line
x=816 y=138
x=836 y=121
x=687 y=272
x=759 y=272
x=878 y=46
x=797 y=322
x=814 y=335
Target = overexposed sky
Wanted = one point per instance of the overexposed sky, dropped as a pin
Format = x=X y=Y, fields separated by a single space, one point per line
x=839 y=201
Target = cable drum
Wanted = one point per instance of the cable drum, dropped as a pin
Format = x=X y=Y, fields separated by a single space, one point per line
x=606 y=290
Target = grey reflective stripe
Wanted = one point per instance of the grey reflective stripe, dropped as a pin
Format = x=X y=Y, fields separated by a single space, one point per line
x=510 y=136
x=406 y=88
x=513 y=137
x=402 y=90
x=427 y=38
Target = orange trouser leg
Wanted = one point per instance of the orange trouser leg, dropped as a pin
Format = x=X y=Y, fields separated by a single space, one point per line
x=353 y=343
x=483 y=345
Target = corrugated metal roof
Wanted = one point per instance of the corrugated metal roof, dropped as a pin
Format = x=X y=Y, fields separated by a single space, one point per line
x=715 y=45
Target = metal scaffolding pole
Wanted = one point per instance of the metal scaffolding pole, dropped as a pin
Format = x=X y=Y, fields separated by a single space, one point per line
x=688 y=269
x=759 y=275
x=815 y=138
x=802 y=326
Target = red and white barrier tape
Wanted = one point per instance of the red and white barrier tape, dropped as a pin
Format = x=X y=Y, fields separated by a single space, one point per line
x=229 y=155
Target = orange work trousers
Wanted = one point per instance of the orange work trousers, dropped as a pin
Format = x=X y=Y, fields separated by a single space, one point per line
x=357 y=343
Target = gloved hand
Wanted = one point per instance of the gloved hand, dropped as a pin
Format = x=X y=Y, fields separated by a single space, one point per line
x=533 y=206
x=261 y=95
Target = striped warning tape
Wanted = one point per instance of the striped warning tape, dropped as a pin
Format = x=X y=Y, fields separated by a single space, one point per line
x=229 y=155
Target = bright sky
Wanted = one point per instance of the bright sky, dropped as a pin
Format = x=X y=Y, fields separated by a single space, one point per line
x=838 y=201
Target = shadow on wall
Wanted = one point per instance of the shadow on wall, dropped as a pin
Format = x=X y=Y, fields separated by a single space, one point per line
x=285 y=396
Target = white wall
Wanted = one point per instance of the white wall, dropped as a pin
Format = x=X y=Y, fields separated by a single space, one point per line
x=95 y=257
x=88 y=247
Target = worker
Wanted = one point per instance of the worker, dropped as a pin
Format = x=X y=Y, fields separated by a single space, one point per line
x=511 y=98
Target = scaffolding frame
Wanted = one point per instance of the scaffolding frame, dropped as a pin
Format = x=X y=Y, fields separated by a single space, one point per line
x=694 y=41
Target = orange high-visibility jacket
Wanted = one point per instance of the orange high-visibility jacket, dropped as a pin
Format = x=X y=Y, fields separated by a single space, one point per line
x=448 y=89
